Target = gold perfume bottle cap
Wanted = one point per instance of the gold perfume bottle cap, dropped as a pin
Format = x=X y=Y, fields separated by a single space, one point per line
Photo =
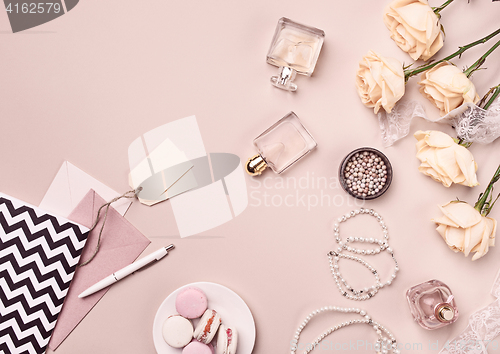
x=256 y=165
x=445 y=313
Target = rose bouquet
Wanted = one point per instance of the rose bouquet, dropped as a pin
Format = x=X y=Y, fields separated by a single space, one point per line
x=416 y=29
x=467 y=228
x=381 y=81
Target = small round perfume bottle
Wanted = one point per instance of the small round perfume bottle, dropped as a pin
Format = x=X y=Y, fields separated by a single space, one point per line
x=432 y=304
x=281 y=146
x=295 y=50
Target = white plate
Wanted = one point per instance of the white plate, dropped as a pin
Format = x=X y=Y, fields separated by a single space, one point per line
x=232 y=309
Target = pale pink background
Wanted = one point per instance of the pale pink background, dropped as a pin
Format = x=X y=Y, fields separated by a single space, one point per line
x=83 y=87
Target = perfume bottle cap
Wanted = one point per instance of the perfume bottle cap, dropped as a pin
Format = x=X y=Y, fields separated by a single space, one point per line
x=285 y=79
x=256 y=165
x=445 y=313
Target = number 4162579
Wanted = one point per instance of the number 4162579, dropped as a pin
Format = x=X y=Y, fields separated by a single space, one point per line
x=34 y=8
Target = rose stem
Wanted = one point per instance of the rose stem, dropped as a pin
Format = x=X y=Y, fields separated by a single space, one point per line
x=494 y=91
x=485 y=204
x=409 y=73
x=480 y=61
x=438 y=9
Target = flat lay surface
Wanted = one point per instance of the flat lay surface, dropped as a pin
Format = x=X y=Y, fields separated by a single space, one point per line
x=84 y=86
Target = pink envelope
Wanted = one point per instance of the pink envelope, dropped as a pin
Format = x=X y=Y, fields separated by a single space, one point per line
x=121 y=244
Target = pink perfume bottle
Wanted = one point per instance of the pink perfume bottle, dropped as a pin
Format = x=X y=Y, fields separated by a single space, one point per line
x=295 y=50
x=432 y=304
x=281 y=146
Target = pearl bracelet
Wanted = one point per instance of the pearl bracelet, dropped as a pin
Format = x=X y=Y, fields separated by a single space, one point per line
x=382 y=245
x=383 y=345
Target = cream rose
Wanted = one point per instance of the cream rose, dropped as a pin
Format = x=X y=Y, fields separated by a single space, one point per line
x=465 y=230
x=444 y=160
x=380 y=81
x=447 y=87
x=414 y=27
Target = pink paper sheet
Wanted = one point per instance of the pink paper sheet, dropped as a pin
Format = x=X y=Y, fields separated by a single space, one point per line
x=121 y=244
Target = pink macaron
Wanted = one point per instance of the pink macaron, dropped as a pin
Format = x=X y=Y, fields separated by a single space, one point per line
x=196 y=347
x=191 y=302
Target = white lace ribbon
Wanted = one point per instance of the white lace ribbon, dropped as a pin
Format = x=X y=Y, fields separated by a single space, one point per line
x=472 y=123
x=396 y=125
x=484 y=326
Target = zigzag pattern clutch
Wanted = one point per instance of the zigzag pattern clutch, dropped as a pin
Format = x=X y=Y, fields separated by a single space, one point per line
x=39 y=253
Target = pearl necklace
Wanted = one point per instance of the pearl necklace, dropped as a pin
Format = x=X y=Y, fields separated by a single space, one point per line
x=334 y=257
x=382 y=346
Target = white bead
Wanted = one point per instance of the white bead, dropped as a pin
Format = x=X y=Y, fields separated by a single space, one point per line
x=362 y=313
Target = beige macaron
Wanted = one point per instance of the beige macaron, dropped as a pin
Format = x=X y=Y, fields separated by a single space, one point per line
x=207 y=327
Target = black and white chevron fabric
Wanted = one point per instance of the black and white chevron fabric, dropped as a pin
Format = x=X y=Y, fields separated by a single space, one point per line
x=38 y=257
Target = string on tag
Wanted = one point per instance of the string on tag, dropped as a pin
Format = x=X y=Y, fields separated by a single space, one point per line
x=130 y=195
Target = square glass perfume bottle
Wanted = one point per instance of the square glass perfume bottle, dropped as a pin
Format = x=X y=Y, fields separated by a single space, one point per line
x=432 y=304
x=295 y=50
x=281 y=146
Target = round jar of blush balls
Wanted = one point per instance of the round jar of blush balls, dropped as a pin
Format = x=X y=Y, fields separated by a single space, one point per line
x=365 y=173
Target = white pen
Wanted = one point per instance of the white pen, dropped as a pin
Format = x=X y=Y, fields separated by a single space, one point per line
x=131 y=268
